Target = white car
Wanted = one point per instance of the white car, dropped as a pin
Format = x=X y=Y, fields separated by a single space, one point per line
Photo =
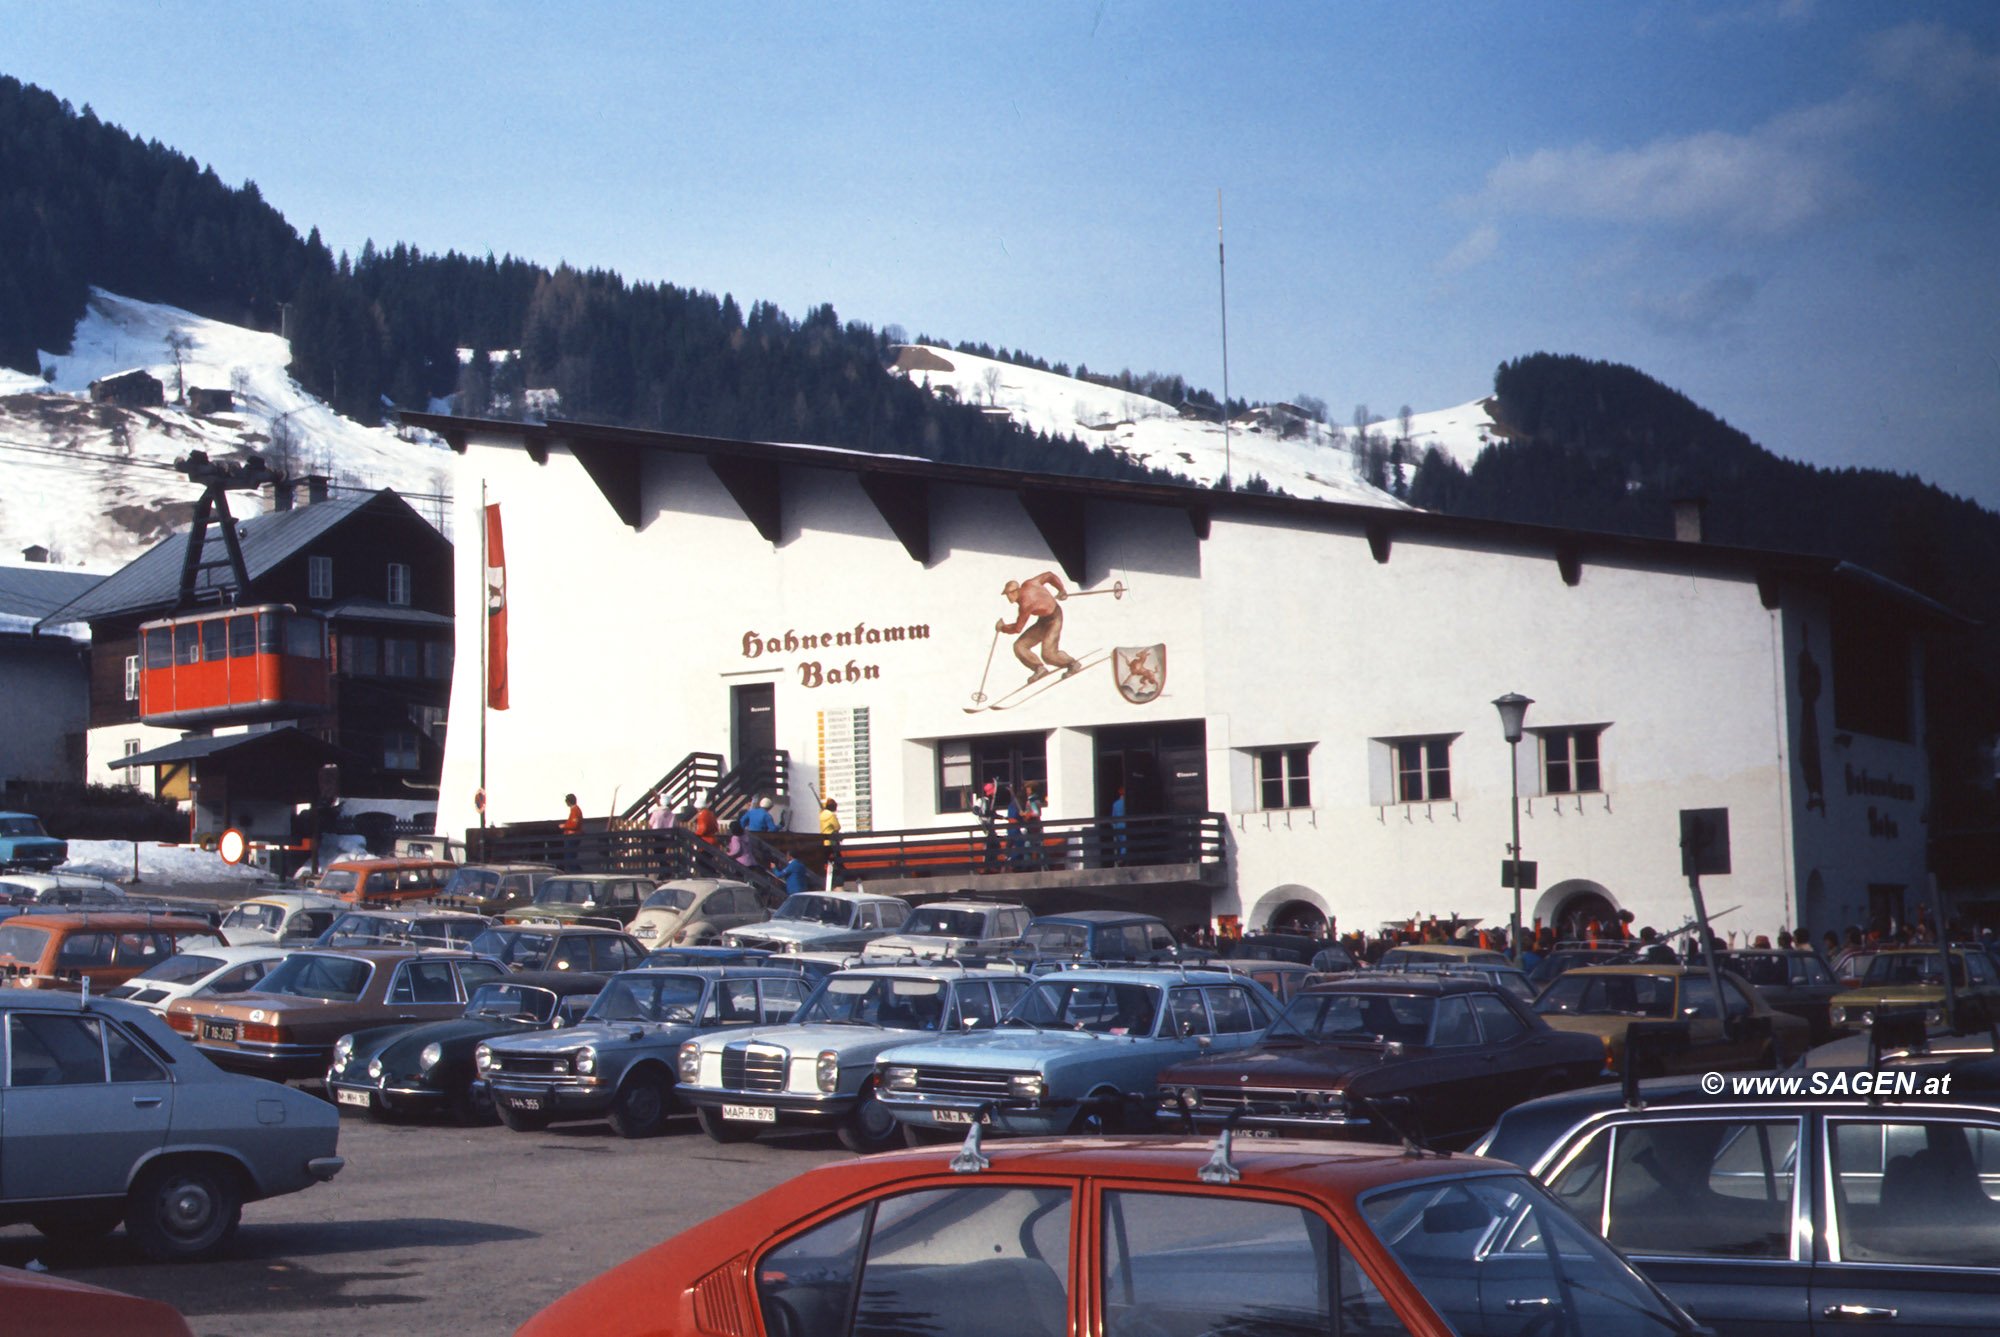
x=78 y=889
x=959 y=928
x=697 y=911
x=823 y=921
x=200 y=970
x=295 y=917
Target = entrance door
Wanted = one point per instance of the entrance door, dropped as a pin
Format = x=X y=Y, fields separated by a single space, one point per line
x=1163 y=768
x=753 y=721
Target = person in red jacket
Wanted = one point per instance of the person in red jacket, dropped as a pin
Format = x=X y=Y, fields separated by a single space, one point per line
x=704 y=823
x=573 y=823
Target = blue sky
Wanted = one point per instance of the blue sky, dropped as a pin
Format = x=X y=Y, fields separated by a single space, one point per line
x=1788 y=210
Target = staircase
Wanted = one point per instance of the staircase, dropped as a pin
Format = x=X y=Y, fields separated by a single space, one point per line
x=729 y=793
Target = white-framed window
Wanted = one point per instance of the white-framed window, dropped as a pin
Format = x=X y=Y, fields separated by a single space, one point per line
x=1572 y=760
x=319 y=577
x=131 y=677
x=1412 y=770
x=1284 y=777
x=129 y=776
x=399 y=751
x=399 y=583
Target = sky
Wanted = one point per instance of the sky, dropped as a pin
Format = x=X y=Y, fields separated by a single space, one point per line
x=1788 y=210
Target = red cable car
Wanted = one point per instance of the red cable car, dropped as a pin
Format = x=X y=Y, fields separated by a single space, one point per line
x=235 y=665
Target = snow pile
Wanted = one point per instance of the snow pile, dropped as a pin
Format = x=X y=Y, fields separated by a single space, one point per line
x=95 y=483
x=160 y=866
x=1305 y=459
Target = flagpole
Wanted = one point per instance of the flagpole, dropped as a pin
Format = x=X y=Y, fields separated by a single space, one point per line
x=485 y=617
x=1222 y=277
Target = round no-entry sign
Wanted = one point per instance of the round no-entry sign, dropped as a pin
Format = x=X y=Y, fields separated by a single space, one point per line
x=479 y=800
x=232 y=846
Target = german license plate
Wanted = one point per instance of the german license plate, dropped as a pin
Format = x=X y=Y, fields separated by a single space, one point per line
x=360 y=1098
x=750 y=1113
x=961 y=1117
x=523 y=1102
x=644 y=931
x=218 y=1030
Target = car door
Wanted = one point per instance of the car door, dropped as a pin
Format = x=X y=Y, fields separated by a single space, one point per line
x=1912 y=1225
x=1451 y=1079
x=1516 y=1058
x=83 y=1103
x=424 y=991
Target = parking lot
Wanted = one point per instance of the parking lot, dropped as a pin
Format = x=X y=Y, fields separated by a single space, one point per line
x=433 y=1228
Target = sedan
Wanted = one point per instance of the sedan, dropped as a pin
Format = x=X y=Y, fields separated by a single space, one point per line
x=201 y=971
x=1604 y=1001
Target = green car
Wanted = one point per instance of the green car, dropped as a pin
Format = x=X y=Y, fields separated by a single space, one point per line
x=585 y=898
x=1914 y=977
x=397 y=1071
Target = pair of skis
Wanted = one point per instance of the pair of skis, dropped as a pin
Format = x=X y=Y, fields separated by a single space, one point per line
x=1034 y=687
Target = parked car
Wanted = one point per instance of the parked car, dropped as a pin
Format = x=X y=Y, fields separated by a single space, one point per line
x=584 y=898
x=384 y=881
x=1566 y=956
x=695 y=911
x=199 y=971
x=601 y=951
x=62 y=889
x=819 y=1069
x=287 y=1026
x=110 y=1116
x=1604 y=1001
x=402 y=1069
x=1914 y=977
x=1437 y=954
x=1285 y=979
x=24 y=844
x=292 y=917
x=492 y=889
x=1794 y=981
x=406 y=927
x=1274 y=947
x=619 y=1063
x=60 y=950
x=1792 y=1214
x=826 y=921
x=38 y=1304
x=1436 y=1057
x=719 y=956
x=1510 y=978
x=960 y=926
x=1334 y=959
x=1105 y=936
x=1081 y=1052
x=1162 y=1237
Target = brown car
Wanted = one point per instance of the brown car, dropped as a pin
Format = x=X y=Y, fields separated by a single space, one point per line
x=108 y=948
x=385 y=881
x=287 y=1027
x=1604 y=1001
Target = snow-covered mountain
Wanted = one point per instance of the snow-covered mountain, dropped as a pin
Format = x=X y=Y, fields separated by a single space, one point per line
x=1292 y=454
x=95 y=483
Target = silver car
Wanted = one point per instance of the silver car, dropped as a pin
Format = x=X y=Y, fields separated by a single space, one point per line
x=110 y=1116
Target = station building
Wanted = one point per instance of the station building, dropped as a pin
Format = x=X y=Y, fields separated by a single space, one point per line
x=1315 y=680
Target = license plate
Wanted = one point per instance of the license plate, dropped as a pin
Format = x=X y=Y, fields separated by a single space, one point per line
x=750 y=1113
x=644 y=931
x=523 y=1102
x=218 y=1030
x=962 y=1117
x=360 y=1098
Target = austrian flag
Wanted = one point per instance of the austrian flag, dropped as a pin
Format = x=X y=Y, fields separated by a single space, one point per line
x=496 y=612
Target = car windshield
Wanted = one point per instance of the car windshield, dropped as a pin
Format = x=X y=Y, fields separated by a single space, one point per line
x=940 y=921
x=1367 y=1017
x=20 y=826
x=445 y=932
x=338 y=979
x=471 y=882
x=523 y=950
x=1766 y=968
x=1057 y=939
x=337 y=879
x=569 y=891
x=1099 y=1006
x=1912 y=968
x=265 y=918
x=669 y=898
x=1609 y=995
x=358 y=930
x=19 y=943
x=876 y=1000
x=816 y=910
x=669 y=998
x=182 y=969
x=1484 y=1250
x=512 y=1000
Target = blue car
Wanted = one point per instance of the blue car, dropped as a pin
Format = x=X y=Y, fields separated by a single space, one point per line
x=24 y=844
x=1081 y=1052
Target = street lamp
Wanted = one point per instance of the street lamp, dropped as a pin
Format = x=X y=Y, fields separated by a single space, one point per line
x=1513 y=709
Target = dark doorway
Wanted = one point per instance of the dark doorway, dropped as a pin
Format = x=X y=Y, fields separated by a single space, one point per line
x=1163 y=768
x=753 y=721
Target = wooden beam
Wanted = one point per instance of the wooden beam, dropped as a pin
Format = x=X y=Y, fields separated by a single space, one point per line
x=1768 y=592
x=1198 y=519
x=616 y=471
x=754 y=485
x=1378 y=541
x=905 y=504
x=1570 y=563
x=1058 y=517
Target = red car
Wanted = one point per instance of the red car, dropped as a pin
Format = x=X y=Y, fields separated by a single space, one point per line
x=1132 y=1237
x=39 y=1305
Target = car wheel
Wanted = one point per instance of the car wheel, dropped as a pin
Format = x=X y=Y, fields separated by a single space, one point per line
x=68 y=1231
x=521 y=1121
x=640 y=1108
x=720 y=1129
x=1102 y=1112
x=871 y=1127
x=468 y=1103
x=184 y=1209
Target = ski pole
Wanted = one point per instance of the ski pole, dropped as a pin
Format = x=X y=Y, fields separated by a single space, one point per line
x=980 y=695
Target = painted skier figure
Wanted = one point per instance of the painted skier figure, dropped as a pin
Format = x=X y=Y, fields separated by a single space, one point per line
x=1039 y=647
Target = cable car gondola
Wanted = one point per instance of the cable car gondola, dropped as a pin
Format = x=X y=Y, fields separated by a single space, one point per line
x=235 y=665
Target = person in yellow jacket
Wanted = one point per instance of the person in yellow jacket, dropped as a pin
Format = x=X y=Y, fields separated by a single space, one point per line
x=829 y=832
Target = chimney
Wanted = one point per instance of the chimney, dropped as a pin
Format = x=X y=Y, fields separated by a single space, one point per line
x=317 y=486
x=1687 y=518
x=281 y=495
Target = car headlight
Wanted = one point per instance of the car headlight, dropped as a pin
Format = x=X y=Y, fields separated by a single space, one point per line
x=690 y=1061
x=482 y=1058
x=428 y=1059
x=1933 y=1016
x=1190 y=1098
x=1026 y=1086
x=375 y=1069
x=343 y=1050
x=828 y=1070
x=586 y=1060
x=1837 y=1015
x=899 y=1079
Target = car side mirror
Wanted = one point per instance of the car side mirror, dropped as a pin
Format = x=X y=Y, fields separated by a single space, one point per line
x=1203 y=1041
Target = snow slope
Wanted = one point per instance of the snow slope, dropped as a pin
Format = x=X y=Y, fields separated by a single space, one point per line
x=1318 y=463
x=95 y=484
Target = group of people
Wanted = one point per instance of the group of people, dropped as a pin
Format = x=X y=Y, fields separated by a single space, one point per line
x=999 y=807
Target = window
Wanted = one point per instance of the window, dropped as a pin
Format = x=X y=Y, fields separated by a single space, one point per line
x=402 y=658
x=1009 y=760
x=129 y=776
x=399 y=583
x=1916 y=1194
x=1691 y=1188
x=1284 y=777
x=360 y=656
x=160 y=648
x=1569 y=760
x=1421 y=769
x=399 y=752
x=55 y=1051
x=437 y=659
x=131 y=677
x=319 y=577
x=1451 y=1025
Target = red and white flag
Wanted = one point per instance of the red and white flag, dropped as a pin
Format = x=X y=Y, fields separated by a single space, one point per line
x=496 y=612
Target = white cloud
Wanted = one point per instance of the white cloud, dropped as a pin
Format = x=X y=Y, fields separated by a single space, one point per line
x=1942 y=64
x=1703 y=310
x=1479 y=246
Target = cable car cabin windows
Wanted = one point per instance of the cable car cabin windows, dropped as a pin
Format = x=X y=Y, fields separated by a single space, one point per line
x=232 y=666
x=214 y=640
x=159 y=647
x=243 y=636
x=187 y=643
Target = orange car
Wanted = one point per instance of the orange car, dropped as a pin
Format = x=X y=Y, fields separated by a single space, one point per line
x=1071 y=1236
x=107 y=948
x=39 y=1305
x=384 y=881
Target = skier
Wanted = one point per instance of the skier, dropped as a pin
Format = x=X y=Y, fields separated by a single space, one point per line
x=1039 y=647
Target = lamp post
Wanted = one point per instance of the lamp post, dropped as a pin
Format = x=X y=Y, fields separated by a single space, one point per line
x=1513 y=709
